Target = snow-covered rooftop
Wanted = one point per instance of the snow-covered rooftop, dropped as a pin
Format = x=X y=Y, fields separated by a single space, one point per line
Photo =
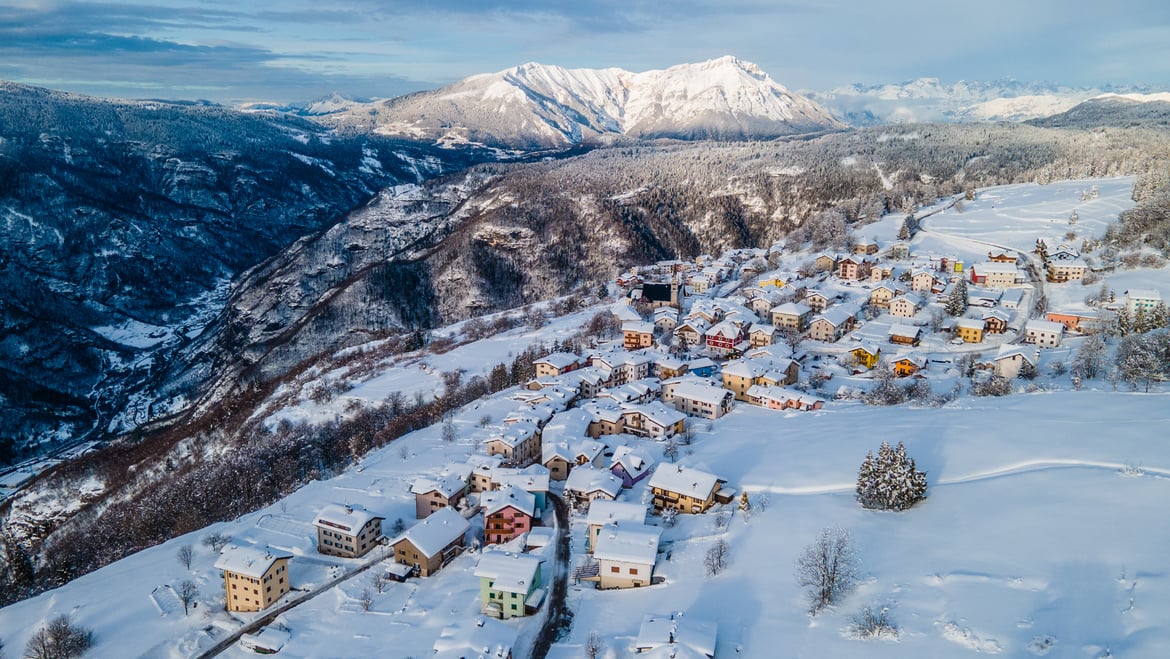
x=249 y=561
x=508 y=495
x=611 y=512
x=348 y=518
x=438 y=530
x=684 y=480
x=510 y=572
x=628 y=544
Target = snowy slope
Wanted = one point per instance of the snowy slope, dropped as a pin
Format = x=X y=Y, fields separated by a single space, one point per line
x=536 y=104
x=1041 y=533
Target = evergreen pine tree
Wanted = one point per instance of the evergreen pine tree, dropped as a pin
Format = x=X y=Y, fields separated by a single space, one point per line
x=892 y=481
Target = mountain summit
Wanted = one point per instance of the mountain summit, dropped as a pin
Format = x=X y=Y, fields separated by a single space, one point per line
x=537 y=105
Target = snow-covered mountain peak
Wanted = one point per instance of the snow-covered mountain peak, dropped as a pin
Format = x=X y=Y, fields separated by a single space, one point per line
x=537 y=104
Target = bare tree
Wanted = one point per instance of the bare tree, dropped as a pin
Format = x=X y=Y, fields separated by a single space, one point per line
x=185 y=555
x=378 y=581
x=217 y=541
x=187 y=592
x=670 y=450
x=869 y=624
x=60 y=639
x=449 y=434
x=365 y=599
x=716 y=558
x=593 y=646
x=828 y=568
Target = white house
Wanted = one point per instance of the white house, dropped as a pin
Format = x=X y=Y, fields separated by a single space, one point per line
x=1043 y=333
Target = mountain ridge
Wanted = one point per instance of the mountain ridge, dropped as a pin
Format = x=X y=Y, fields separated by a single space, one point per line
x=538 y=105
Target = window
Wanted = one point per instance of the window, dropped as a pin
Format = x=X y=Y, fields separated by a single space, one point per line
x=615 y=569
x=513 y=607
x=233 y=586
x=633 y=570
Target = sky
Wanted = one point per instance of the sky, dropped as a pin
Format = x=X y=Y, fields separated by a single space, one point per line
x=233 y=51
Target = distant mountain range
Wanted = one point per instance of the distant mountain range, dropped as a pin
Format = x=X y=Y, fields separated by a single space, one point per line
x=929 y=99
x=539 y=106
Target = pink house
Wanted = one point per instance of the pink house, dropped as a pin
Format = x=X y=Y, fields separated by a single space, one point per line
x=507 y=513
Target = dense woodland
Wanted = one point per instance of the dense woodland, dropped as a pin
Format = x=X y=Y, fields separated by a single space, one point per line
x=505 y=236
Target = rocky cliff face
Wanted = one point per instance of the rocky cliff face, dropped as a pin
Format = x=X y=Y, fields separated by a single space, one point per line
x=120 y=221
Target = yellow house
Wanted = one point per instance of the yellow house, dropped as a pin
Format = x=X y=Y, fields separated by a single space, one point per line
x=253 y=578
x=866 y=355
x=684 y=489
x=969 y=329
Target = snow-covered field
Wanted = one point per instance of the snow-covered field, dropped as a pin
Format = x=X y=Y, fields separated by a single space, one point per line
x=1041 y=522
x=1042 y=533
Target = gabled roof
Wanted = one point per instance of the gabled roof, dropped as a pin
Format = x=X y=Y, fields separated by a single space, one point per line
x=615 y=512
x=724 y=328
x=868 y=347
x=628 y=544
x=684 y=480
x=586 y=479
x=445 y=485
x=792 y=309
x=836 y=316
x=909 y=331
x=558 y=360
x=655 y=412
x=701 y=390
x=969 y=323
x=1036 y=325
x=512 y=573
x=433 y=534
x=350 y=519
x=639 y=326
x=990 y=267
x=1008 y=351
x=249 y=561
x=508 y=496
x=533 y=478
x=633 y=460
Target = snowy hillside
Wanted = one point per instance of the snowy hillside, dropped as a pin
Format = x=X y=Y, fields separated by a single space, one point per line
x=535 y=104
x=1040 y=533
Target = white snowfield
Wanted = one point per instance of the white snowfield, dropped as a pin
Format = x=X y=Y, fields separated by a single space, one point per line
x=1043 y=532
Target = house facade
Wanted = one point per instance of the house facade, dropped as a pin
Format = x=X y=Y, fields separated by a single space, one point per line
x=507 y=513
x=905 y=306
x=431 y=494
x=969 y=329
x=637 y=334
x=995 y=275
x=684 y=489
x=347 y=531
x=1043 y=333
x=509 y=584
x=854 y=267
x=699 y=398
x=626 y=555
x=431 y=543
x=253 y=578
x=791 y=316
